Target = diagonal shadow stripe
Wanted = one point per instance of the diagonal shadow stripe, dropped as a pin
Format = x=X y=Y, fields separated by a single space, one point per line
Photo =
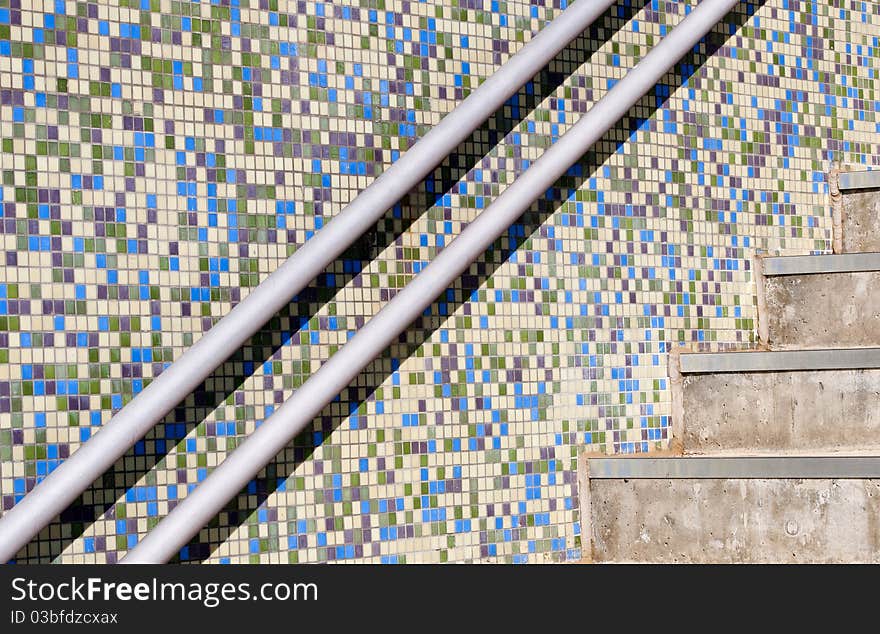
x=248 y=501
x=222 y=385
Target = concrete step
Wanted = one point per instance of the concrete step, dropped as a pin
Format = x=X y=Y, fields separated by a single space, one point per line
x=819 y=300
x=859 y=211
x=822 y=400
x=779 y=509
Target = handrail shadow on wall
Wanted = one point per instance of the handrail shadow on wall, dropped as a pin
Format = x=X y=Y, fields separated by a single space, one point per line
x=227 y=379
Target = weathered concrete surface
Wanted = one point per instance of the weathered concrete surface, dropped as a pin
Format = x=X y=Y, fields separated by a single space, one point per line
x=729 y=521
x=826 y=310
x=763 y=411
x=861 y=221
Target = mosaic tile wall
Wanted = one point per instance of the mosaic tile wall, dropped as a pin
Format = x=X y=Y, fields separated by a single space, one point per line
x=160 y=157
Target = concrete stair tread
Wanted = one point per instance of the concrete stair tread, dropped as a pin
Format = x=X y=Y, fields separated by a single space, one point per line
x=815 y=359
x=818 y=400
x=821 y=264
x=775 y=466
x=819 y=301
x=861 y=179
x=799 y=514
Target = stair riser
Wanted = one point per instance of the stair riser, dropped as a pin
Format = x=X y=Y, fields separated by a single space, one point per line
x=828 y=410
x=734 y=520
x=827 y=310
x=861 y=221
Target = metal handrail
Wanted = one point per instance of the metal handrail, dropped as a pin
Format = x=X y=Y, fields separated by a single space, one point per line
x=73 y=476
x=295 y=414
